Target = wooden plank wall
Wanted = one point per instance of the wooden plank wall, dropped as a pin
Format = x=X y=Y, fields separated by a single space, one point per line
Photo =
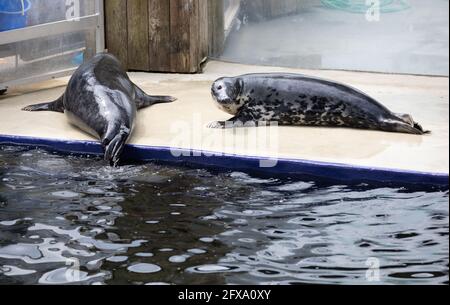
x=160 y=35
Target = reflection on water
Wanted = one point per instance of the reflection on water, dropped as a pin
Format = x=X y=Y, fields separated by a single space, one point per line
x=75 y=220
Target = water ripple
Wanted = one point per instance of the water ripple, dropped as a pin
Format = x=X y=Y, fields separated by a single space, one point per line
x=73 y=220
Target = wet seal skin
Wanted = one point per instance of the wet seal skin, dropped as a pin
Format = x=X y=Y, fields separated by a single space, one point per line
x=101 y=100
x=299 y=100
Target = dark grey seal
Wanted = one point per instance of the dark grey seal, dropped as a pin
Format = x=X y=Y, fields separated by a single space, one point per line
x=101 y=100
x=299 y=100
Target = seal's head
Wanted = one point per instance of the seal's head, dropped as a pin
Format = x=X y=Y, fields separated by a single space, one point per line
x=227 y=92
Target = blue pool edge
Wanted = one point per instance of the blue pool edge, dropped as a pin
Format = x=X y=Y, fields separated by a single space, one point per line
x=289 y=167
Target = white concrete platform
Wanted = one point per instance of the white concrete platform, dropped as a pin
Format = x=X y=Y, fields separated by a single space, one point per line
x=183 y=124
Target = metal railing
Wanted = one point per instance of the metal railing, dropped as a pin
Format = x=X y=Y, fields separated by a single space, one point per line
x=52 y=29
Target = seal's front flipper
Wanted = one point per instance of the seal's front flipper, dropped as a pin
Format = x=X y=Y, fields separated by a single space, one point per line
x=217 y=125
x=56 y=106
x=144 y=100
x=235 y=123
x=113 y=147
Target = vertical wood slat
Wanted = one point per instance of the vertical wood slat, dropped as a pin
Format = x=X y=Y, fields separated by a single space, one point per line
x=204 y=29
x=159 y=35
x=194 y=36
x=116 y=29
x=138 y=33
x=180 y=30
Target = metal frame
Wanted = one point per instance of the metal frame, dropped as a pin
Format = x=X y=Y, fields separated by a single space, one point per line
x=95 y=21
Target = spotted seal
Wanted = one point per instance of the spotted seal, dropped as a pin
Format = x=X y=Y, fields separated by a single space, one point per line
x=101 y=100
x=299 y=100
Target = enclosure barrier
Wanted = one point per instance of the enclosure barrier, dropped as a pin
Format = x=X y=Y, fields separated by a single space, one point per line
x=25 y=49
x=292 y=168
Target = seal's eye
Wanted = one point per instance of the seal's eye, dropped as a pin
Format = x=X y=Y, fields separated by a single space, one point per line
x=219 y=87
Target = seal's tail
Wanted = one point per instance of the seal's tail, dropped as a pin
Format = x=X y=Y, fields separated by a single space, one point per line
x=420 y=128
x=144 y=100
x=114 y=147
x=149 y=100
x=56 y=106
x=152 y=100
x=406 y=128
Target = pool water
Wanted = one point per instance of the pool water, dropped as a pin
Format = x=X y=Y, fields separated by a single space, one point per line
x=69 y=220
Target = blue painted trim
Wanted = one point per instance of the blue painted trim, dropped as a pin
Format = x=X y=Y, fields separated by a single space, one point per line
x=285 y=167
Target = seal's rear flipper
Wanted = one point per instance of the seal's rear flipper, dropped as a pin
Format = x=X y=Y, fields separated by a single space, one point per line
x=419 y=127
x=56 y=106
x=144 y=100
x=402 y=127
x=405 y=128
x=152 y=100
x=113 y=148
x=408 y=119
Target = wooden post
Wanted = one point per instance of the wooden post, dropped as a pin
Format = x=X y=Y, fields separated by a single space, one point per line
x=116 y=24
x=203 y=31
x=180 y=35
x=138 y=31
x=158 y=35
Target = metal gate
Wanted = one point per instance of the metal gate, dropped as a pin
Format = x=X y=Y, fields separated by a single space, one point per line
x=55 y=38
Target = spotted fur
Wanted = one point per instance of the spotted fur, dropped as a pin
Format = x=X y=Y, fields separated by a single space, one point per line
x=298 y=100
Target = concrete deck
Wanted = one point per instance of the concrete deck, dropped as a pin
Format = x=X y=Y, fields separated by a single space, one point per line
x=183 y=123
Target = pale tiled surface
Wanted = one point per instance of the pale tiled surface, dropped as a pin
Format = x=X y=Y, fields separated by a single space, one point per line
x=182 y=124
